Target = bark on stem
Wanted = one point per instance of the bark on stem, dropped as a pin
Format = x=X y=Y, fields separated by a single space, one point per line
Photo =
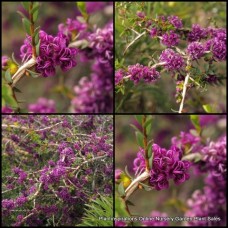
x=135 y=183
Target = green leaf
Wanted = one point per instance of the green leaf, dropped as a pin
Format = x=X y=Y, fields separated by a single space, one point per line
x=139 y=118
x=33 y=74
x=82 y=8
x=7 y=96
x=146 y=187
x=8 y=76
x=36 y=38
x=208 y=108
x=148 y=125
x=38 y=48
x=139 y=138
x=35 y=13
x=121 y=189
x=26 y=24
x=194 y=132
x=195 y=122
x=149 y=148
x=26 y=5
x=151 y=161
x=132 y=125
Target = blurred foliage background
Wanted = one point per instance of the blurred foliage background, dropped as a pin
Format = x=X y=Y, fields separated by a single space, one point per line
x=164 y=127
x=160 y=96
x=51 y=14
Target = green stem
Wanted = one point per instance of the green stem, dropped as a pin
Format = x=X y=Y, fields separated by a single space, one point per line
x=145 y=143
x=32 y=28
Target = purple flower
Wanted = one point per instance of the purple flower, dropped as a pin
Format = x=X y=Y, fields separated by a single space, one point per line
x=118 y=173
x=195 y=50
x=53 y=52
x=173 y=61
x=140 y=14
x=119 y=74
x=166 y=165
x=5 y=60
x=197 y=33
x=170 y=39
x=21 y=200
x=175 y=21
x=150 y=74
x=8 y=204
x=94 y=95
x=120 y=223
x=153 y=32
x=153 y=220
x=6 y=109
x=215 y=157
x=101 y=41
x=43 y=105
x=92 y=7
x=219 y=50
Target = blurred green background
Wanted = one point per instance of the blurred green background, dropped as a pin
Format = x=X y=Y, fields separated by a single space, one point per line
x=51 y=14
x=160 y=96
x=164 y=127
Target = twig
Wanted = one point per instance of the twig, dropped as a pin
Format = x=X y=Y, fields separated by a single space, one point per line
x=135 y=183
x=184 y=88
x=133 y=41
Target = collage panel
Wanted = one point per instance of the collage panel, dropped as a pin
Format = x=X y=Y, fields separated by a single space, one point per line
x=170 y=170
x=57 y=170
x=57 y=57
x=170 y=57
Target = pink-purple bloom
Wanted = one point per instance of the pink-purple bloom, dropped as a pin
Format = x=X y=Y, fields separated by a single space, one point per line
x=43 y=105
x=173 y=61
x=167 y=164
x=170 y=39
x=175 y=21
x=154 y=219
x=197 y=33
x=195 y=50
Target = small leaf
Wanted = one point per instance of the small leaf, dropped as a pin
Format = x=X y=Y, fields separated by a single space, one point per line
x=148 y=125
x=194 y=132
x=149 y=148
x=151 y=161
x=38 y=48
x=35 y=14
x=121 y=189
x=136 y=128
x=8 y=76
x=33 y=74
x=36 y=38
x=139 y=138
x=195 y=122
x=139 y=118
x=35 y=7
x=26 y=24
x=208 y=108
x=82 y=8
x=26 y=5
x=146 y=187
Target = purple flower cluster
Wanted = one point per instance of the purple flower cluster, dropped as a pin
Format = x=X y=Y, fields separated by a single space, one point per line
x=138 y=72
x=43 y=105
x=53 y=51
x=197 y=33
x=202 y=203
x=195 y=50
x=140 y=14
x=153 y=32
x=21 y=200
x=214 y=155
x=119 y=74
x=22 y=175
x=153 y=219
x=170 y=39
x=173 y=61
x=5 y=60
x=175 y=21
x=94 y=95
x=167 y=164
x=8 y=204
x=101 y=41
